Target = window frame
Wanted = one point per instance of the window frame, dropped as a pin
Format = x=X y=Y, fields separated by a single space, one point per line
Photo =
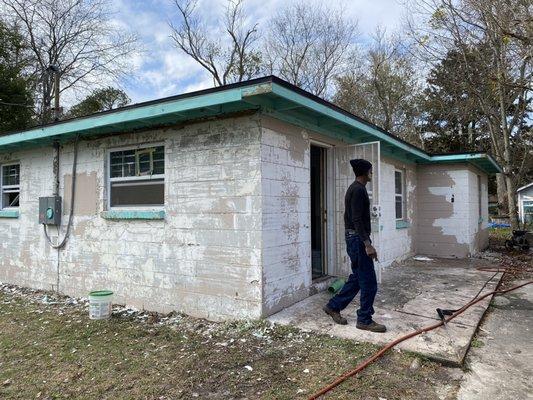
x=400 y=195
x=2 y=186
x=144 y=178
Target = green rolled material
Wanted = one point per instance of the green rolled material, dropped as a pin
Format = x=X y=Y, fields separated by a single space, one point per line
x=336 y=285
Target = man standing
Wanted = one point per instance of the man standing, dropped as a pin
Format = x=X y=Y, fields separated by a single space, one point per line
x=362 y=253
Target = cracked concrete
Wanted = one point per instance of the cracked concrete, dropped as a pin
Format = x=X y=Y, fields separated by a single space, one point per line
x=501 y=364
x=407 y=298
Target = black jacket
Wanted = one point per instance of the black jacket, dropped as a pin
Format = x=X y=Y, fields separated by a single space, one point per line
x=357 y=211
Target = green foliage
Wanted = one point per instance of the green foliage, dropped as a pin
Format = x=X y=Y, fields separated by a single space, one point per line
x=16 y=99
x=452 y=112
x=100 y=100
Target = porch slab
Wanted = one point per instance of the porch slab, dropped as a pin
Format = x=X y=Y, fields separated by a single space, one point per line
x=406 y=300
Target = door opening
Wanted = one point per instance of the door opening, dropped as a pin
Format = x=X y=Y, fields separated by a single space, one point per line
x=318 y=212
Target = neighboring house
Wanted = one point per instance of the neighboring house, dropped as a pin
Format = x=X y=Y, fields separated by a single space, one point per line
x=525 y=204
x=227 y=202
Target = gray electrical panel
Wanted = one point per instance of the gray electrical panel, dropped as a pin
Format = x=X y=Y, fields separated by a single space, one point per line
x=50 y=210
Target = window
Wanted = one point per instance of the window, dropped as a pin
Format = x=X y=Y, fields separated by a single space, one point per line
x=10 y=185
x=399 y=194
x=137 y=177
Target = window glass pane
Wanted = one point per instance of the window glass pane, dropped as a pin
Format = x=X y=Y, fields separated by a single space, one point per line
x=10 y=199
x=398 y=182
x=159 y=167
x=144 y=163
x=11 y=175
x=159 y=160
x=122 y=163
x=138 y=193
x=399 y=207
x=137 y=162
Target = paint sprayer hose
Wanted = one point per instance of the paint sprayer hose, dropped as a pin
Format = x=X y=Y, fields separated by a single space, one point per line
x=428 y=328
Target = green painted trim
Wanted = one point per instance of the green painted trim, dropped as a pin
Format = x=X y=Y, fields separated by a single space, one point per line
x=324 y=110
x=280 y=100
x=133 y=214
x=139 y=114
x=481 y=160
x=403 y=224
x=9 y=214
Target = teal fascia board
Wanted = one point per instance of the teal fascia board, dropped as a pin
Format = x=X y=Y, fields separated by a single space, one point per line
x=402 y=224
x=9 y=213
x=345 y=119
x=133 y=214
x=276 y=99
x=141 y=114
x=481 y=160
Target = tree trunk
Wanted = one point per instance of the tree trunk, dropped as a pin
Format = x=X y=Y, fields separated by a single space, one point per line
x=507 y=166
x=501 y=189
x=513 y=212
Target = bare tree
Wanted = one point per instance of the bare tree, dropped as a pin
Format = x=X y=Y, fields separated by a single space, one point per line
x=227 y=59
x=502 y=28
x=75 y=36
x=309 y=45
x=383 y=87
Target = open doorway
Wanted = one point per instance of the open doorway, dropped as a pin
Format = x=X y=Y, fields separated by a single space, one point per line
x=318 y=211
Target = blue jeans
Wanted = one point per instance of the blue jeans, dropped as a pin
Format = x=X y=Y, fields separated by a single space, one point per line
x=363 y=278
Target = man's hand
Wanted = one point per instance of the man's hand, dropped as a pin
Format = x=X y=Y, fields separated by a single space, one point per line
x=371 y=252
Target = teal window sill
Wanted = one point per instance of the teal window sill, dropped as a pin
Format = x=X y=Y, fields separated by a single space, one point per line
x=402 y=224
x=9 y=213
x=132 y=214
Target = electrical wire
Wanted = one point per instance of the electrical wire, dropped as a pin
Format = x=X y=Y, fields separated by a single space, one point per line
x=71 y=211
x=428 y=328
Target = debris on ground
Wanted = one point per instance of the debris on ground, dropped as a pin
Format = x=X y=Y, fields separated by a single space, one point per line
x=54 y=351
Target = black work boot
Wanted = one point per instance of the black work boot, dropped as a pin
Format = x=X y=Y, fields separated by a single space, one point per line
x=335 y=315
x=372 y=327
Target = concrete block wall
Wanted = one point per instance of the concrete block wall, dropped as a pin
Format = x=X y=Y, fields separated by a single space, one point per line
x=478 y=219
x=204 y=259
x=447 y=208
x=396 y=243
x=285 y=182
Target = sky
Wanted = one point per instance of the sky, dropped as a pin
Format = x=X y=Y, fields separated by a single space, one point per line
x=161 y=70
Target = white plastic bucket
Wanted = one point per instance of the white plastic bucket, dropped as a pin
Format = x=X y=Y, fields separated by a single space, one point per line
x=100 y=302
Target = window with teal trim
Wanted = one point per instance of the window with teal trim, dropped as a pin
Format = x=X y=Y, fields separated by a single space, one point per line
x=9 y=186
x=137 y=176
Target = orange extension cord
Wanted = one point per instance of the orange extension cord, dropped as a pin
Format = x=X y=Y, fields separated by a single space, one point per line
x=370 y=360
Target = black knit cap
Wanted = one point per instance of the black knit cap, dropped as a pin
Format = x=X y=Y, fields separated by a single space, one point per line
x=360 y=166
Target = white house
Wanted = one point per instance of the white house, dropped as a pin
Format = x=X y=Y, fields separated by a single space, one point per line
x=223 y=203
x=525 y=204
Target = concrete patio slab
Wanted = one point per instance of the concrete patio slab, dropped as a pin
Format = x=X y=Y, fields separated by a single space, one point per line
x=407 y=298
x=501 y=368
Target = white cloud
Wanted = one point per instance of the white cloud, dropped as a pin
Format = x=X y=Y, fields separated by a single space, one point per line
x=162 y=70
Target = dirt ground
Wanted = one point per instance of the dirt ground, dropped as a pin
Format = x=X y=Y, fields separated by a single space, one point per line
x=49 y=349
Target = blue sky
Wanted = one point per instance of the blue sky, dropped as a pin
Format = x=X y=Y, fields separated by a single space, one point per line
x=162 y=70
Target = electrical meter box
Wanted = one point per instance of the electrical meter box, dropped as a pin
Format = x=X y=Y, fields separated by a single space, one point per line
x=50 y=210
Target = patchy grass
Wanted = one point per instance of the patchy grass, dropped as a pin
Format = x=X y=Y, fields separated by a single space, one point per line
x=497 y=238
x=53 y=351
